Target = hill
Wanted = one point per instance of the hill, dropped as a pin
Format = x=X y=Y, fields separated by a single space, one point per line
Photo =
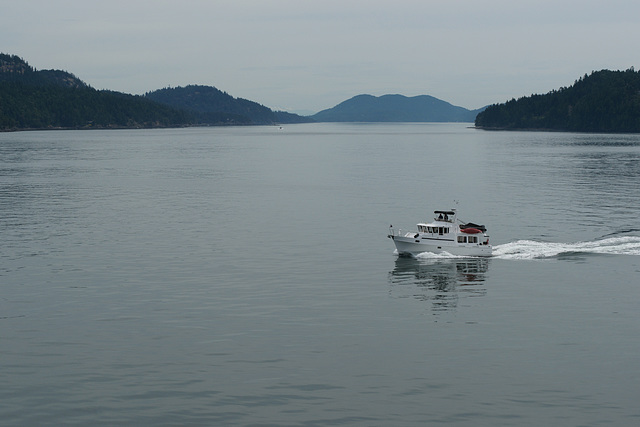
x=215 y=106
x=604 y=101
x=49 y=99
x=54 y=99
x=395 y=108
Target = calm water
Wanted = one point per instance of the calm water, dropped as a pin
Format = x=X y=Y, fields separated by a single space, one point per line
x=242 y=277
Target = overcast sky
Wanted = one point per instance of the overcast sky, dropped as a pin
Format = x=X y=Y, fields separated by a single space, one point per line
x=305 y=56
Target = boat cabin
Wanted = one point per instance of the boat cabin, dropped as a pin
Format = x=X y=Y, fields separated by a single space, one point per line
x=437 y=227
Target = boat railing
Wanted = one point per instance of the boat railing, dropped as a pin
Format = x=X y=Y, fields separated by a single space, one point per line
x=402 y=233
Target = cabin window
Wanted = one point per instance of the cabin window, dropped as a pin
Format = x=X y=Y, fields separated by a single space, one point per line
x=467 y=239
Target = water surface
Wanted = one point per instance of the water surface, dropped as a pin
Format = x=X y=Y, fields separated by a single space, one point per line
x=242 y=276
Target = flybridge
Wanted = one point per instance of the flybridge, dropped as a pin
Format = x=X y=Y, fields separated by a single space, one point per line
x=447 y=216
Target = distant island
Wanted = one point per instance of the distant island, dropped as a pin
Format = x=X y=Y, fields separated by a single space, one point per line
x=395 y=108
x=604 y=101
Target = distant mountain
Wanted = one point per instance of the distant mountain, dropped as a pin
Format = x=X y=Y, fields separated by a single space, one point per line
x=605 y=101
x=214 y=106
x=395 y=108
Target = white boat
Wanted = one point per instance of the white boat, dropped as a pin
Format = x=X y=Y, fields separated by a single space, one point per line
x=446 y=234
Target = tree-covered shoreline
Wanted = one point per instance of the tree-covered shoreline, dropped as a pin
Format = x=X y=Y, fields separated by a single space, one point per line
x=602 y=102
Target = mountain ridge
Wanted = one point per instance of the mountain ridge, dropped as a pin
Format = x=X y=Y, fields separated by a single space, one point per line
x=605 y=101
x=56 y=99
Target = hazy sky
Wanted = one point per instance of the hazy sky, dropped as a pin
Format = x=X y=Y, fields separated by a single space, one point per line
x=302 y=55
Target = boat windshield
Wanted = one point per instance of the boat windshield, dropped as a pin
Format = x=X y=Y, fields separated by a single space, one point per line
x=447 y=216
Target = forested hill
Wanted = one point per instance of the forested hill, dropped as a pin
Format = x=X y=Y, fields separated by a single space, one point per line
x=54 y=99
x=605 y=101
x=209 y=103
x=50 y=99
x=395 y=108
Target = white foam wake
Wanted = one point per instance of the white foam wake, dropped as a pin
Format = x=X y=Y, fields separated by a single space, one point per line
x=434 y=256
x=528 y=249
x=441 y=255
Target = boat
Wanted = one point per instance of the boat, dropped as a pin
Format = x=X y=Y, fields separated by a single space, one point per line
x=445 y=234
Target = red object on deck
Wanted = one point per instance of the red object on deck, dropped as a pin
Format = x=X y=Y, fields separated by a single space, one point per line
x=471 y=230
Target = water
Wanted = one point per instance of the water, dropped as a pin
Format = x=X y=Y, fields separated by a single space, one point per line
x=242 y=276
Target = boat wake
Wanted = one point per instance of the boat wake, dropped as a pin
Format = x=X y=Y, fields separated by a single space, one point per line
x=442 y=255
x=432 y=256
x=529 y=249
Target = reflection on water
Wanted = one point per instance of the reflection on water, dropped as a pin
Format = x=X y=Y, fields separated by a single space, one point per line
x=441 y=282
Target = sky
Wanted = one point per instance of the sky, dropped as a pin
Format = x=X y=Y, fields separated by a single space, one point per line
x=306 y=56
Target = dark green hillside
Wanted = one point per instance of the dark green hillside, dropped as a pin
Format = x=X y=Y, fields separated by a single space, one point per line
x=283 y=117
x=28 y=107
x=47 y=99
x=15 y=69
x=605 y=101
x=395 y=108
x=215 y=106
x=51 y=99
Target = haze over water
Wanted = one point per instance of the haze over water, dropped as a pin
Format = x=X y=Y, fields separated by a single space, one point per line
x=242 y=276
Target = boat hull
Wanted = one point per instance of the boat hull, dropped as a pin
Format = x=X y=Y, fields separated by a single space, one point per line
x=413 y=246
